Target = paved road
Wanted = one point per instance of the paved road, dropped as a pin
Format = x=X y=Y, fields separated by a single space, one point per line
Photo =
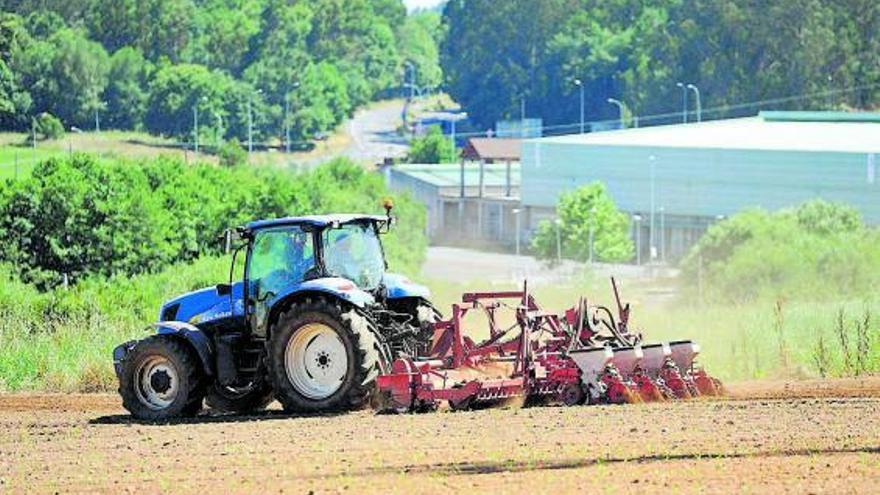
x=374 y=133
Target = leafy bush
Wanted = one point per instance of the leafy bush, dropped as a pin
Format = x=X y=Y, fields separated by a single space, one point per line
x=815 y=250
x=433 y=147
x=231 y=153
x=49 y=126
x=578 y=210
x=80 y=216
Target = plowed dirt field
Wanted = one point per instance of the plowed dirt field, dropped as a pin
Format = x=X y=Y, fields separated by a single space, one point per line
x=779 y=437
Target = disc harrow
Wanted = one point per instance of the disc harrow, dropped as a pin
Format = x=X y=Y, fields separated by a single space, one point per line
x=586 y=354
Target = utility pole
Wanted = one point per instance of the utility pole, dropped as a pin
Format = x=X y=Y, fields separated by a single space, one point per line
x=522 y=116
x=684 y=102
x=580 y=85
x=699 y=106
x=97 y=121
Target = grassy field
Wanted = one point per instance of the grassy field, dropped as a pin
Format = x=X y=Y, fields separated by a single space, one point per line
x=61 y=340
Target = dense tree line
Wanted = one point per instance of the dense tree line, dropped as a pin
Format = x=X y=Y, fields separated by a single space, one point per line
x=147 y=64
x=82 y=216
x=496 y=53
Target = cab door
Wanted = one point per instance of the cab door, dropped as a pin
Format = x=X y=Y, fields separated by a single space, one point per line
x=278 y=260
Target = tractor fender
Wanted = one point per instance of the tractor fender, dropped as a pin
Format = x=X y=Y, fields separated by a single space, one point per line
x=337 y=287
x=399 y=287
x=194 y=337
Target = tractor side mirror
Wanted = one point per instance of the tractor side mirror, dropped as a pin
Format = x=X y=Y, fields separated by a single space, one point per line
x=224 y=289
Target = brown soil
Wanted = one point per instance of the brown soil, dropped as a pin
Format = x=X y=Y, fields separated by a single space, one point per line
x=781 y=437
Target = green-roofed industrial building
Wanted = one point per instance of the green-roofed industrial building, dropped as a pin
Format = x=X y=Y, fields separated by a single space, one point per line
x=690 y=175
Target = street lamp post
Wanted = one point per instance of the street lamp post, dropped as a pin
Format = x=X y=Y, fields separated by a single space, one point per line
x=614 y=101
x=559 y=240
x=287 y=117
x=580 y=85
x=516 y=212
x=651 y=236
x=638 y=225
x=196 y=127
x=250 y=118
x=696 y=91
x=662 y=235
x=592 y=217
x=684 y=102
x=522 y=116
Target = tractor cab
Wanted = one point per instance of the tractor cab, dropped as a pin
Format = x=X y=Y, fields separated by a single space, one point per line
x=339 y=255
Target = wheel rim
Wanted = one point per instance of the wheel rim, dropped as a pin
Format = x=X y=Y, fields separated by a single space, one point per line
x=316 y=361
x=157 y=382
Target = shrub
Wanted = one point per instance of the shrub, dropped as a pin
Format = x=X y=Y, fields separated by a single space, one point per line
x=231 y=153
x=49 y=127
x=80 y=216
x=815 y=250
x=578 y=210
x=433 y=147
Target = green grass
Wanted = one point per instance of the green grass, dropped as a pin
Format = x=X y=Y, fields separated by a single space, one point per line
x=62 y=340
x=17 y=161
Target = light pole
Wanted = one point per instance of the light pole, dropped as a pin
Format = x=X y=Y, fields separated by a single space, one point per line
x=196 y=127
x=662 y=235
x=699 y=107
x=516 y=212
x=559 y=240
x=250 y=117
x=522 y=116
x=592 y=217
x=409 y=72
x=580 y=85
x=619 y=108
x=651 y=237
x=638 y=225
x=97 y=116
x=287 y=116
x=684 y=102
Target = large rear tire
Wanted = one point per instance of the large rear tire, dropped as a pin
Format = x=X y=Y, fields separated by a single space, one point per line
x=162 y=379
x=323 y=357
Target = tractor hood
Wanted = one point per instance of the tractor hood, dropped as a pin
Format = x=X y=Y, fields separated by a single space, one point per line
x=398 y=287
x=205 y=306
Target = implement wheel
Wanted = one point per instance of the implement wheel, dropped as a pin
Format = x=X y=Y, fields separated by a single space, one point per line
x=323 y=357
x=162 y=379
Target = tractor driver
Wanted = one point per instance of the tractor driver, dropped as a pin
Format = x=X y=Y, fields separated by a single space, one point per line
x=285 y=259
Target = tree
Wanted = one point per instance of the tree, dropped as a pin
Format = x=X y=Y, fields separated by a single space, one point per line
x=578 y=211
x=48 y=126
x=433 y=147
x=417 y=43
x=232 y=154
x=78 y=78
x=126 y=94
x=221 y=100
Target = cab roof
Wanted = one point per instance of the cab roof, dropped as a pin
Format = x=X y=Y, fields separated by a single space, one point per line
x=314 y=220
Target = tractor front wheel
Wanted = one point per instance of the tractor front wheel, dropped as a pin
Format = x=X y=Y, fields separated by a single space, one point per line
x=324 y=357
x=162 y=379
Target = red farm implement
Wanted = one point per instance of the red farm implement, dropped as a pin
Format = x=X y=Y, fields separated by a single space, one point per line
x=583 y=355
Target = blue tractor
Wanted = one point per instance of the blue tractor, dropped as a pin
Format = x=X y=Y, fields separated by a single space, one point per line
x=314 y=321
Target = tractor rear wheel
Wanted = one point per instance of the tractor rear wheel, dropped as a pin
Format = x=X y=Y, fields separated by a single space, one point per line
x=323 y=357
x=162 y=379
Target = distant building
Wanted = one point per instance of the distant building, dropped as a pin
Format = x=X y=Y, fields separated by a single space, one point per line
x=470 y=202
x=702 y=172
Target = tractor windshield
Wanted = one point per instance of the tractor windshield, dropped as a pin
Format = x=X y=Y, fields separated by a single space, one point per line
x=353 y=251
